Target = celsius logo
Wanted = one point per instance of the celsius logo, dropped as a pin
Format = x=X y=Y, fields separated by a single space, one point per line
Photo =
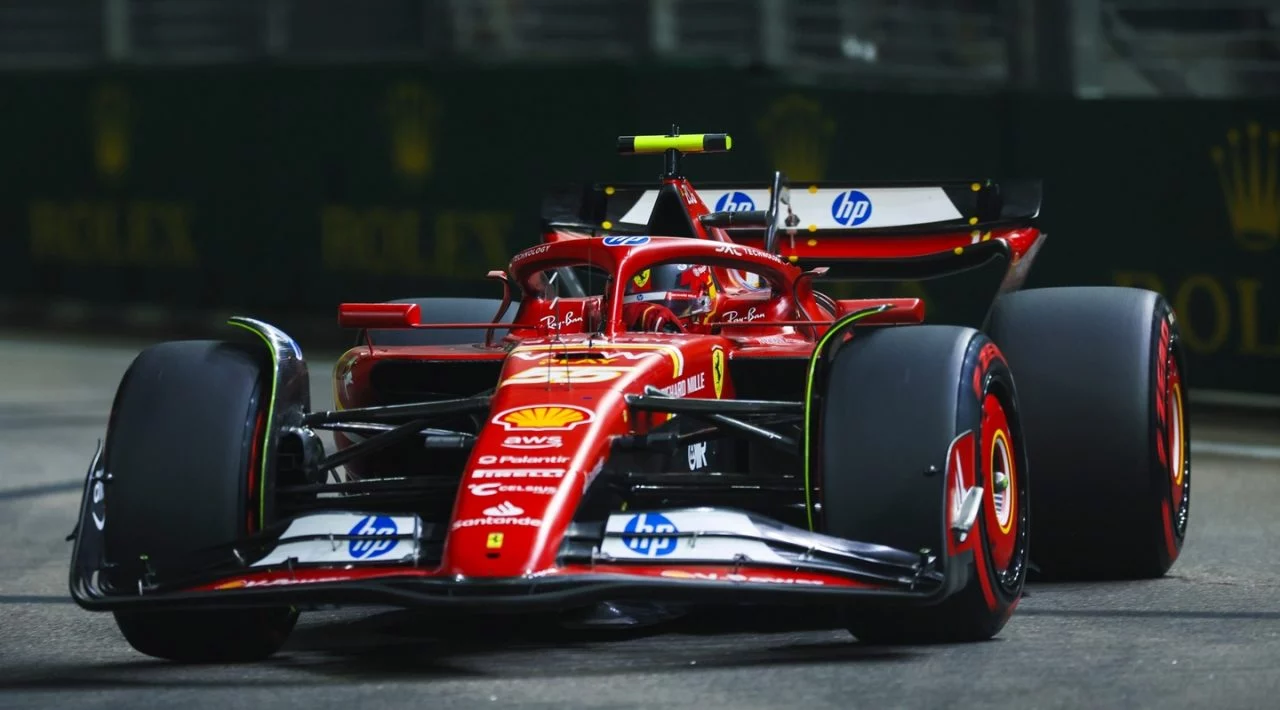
x=379 y=526
x=851 y=208
x=735 y=202
x=493 y=489
x=649 y=524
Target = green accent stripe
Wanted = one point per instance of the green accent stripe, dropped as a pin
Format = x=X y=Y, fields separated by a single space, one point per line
x=836 y=328
x=271 y=412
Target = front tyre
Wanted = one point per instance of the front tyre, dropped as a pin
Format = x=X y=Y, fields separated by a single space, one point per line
x=184 y=452
x=911 y=419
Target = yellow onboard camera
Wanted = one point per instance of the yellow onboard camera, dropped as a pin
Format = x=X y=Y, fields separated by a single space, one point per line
x=674 y=145
x=690 y=143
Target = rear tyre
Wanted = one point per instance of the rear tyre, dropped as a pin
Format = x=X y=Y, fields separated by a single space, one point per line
x=443 y=310
x=1100 y=372
x=905 y=410
x=184 y=451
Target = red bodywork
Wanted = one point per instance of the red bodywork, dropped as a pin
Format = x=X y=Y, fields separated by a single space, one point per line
x=561 y=384
x=562 y=371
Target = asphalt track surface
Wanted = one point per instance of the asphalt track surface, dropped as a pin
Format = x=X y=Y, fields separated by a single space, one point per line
x=1206 y=636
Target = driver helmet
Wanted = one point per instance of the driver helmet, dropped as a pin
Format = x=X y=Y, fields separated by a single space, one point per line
x=684 y=289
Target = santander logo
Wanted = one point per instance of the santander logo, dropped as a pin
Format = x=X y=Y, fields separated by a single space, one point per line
x=505 y=509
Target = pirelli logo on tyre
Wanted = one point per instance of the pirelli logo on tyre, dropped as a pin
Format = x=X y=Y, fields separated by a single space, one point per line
x=561 y=417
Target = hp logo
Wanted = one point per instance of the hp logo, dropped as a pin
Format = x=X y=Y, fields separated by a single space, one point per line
x=851 y=208
x=369 y=525
x=625 y=241
x=735 y=202
x=650 y=546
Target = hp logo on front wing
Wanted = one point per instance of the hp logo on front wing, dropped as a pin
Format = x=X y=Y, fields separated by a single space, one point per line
x=651 y=546
x=371 y=526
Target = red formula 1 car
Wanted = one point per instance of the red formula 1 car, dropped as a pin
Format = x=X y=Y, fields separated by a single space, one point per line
x=672 y=413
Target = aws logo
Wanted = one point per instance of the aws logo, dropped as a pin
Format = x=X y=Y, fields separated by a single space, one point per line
x=109 y=123
x=797 y=134
x=412 y=114
x=1247 y=174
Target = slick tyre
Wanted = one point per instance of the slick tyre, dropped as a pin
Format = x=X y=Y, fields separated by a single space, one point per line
x=1100 y=371
x=443 y=310
x=910 y=419
x=183 y=449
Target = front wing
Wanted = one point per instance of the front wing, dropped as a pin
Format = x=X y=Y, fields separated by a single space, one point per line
x=328 y=558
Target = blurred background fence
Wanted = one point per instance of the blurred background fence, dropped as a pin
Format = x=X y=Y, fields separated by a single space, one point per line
x=1092 y=48
x=277 y=156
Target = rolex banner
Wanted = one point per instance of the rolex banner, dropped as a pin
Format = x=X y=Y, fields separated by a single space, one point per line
x=288 y=190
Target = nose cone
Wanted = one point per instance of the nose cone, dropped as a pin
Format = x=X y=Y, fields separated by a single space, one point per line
x=526 y=478
x=547 y=436
x=555 y=412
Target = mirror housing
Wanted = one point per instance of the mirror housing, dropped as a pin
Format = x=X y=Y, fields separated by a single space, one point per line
x=379 y=315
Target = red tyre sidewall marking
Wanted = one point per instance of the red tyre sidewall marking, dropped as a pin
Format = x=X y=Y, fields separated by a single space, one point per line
x=1170 y=434
x=998 y=455
x=1177 y=459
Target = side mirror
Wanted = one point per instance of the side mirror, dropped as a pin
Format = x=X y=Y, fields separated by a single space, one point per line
x=379 y=315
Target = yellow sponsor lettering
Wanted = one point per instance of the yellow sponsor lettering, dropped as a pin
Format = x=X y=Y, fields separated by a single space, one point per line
x=472 y=241
x=1247 y=290
x=1197 y=337
x=132 y=233
x=378 y=240
x=390 y=240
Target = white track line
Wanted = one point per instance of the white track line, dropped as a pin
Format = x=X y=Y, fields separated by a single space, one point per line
x=1244 y=451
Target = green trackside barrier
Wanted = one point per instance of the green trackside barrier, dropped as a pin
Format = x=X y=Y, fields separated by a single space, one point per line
x=291 y=188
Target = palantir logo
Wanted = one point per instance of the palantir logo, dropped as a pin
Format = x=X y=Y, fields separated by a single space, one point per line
x=851 y=208
x=650 y=523
x=735 y=202
x=372 y=526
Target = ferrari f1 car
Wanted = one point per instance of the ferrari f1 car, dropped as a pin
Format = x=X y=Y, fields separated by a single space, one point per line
x=663 y=408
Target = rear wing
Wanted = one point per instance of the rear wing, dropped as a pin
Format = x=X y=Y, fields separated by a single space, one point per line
x=879 y=208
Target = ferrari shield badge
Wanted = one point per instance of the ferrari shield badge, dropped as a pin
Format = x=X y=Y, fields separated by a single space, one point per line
x=717 y=371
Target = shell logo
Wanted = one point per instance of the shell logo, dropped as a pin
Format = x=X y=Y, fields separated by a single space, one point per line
x=548 y=418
